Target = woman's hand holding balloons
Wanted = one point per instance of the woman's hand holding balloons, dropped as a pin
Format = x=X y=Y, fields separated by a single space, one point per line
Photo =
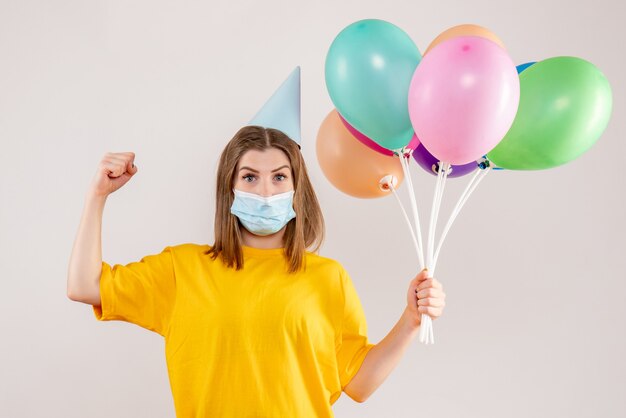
x=114 y=171
x=458 y=108
x=425 y=296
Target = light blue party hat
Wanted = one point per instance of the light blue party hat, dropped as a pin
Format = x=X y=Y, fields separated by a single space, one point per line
x=282 y=110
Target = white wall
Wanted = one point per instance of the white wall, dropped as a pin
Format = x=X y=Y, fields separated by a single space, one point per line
x=533 y=269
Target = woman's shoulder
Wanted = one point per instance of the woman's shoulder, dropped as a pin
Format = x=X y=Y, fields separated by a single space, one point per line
x=313 y=260
x=186 y=249
x=319 y=261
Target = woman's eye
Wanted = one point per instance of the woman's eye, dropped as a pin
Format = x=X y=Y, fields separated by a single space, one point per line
x=280 y=177
x=248 y=178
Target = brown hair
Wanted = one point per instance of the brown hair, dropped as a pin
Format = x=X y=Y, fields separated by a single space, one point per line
x=305 y=231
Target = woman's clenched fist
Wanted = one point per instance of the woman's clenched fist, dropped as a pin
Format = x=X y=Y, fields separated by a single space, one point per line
x=114 y=171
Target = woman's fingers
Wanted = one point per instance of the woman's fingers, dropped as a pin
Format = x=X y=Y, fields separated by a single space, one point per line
x=430 y=292
x=434 y=302
x=124 y=159
x=422 y=283
x=419 y=279
x=430 y=282
x=114 y=170
x=431 y=300
x=119 y=163
x=430 y=311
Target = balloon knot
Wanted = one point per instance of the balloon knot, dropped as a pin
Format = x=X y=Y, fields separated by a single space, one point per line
x=483 y=163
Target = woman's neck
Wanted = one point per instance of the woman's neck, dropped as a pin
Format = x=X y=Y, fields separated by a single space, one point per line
x=263 y=242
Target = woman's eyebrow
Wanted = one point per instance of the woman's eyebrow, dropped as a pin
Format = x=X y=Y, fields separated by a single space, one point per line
x=280 y=168
x=256 y=171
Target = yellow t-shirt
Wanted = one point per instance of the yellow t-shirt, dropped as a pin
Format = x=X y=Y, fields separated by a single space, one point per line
x=257 y=342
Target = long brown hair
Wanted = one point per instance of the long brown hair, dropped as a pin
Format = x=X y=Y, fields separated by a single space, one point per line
x=305 y=231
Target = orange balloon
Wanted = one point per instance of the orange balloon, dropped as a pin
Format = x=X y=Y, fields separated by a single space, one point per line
x=351 y=166
x=464 y=30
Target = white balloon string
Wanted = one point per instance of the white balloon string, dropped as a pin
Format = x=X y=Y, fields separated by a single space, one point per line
x=427 y=333
x=404 y=162
x=445 y=167
x=433 y=217
x=426 y=330
x=430 y=223
x=462 y=200
x=423 y=331
x=469 y=189
x=406 y=218
x=425 y=322
x=431 y=335
x=407 y=174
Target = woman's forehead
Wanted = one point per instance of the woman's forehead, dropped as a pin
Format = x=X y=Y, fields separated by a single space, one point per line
x=266 y=160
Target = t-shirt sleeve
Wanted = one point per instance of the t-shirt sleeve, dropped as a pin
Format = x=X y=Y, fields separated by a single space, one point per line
x=141 y=292
x=354 y=342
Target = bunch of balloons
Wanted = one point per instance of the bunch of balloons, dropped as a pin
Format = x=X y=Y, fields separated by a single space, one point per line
x=462 y=106
x=463 y=100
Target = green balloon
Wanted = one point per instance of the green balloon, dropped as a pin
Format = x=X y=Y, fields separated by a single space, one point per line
x=368 y=71
x=565 y=105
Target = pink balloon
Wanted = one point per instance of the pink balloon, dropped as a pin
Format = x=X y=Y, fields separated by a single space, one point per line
x=463 y=98
x=413 y=144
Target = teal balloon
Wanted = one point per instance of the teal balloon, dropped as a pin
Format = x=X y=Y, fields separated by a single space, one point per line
x=565 y=105
x=368 y=71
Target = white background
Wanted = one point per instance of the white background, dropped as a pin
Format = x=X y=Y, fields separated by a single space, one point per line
x=533 y=269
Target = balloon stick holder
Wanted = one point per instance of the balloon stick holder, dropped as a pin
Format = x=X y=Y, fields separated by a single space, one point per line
x=427 y=260
x=388 y=182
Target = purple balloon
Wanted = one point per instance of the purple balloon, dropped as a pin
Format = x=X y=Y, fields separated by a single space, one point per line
x=429 y=163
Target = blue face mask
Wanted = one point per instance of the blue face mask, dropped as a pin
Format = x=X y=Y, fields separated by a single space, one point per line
x=263 y=215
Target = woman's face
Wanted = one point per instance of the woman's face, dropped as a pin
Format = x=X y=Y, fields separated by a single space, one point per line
x=265 y=173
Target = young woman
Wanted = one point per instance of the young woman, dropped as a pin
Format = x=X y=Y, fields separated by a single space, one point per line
x=256 y=324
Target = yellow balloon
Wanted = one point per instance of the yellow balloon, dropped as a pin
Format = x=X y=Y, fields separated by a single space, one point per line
x=464 y=30
x=351 y=166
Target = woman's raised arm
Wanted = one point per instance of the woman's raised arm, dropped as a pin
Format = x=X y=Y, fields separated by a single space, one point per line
x=85 y=266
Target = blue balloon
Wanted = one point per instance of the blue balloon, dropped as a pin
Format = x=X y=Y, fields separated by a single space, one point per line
x=522 y=67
